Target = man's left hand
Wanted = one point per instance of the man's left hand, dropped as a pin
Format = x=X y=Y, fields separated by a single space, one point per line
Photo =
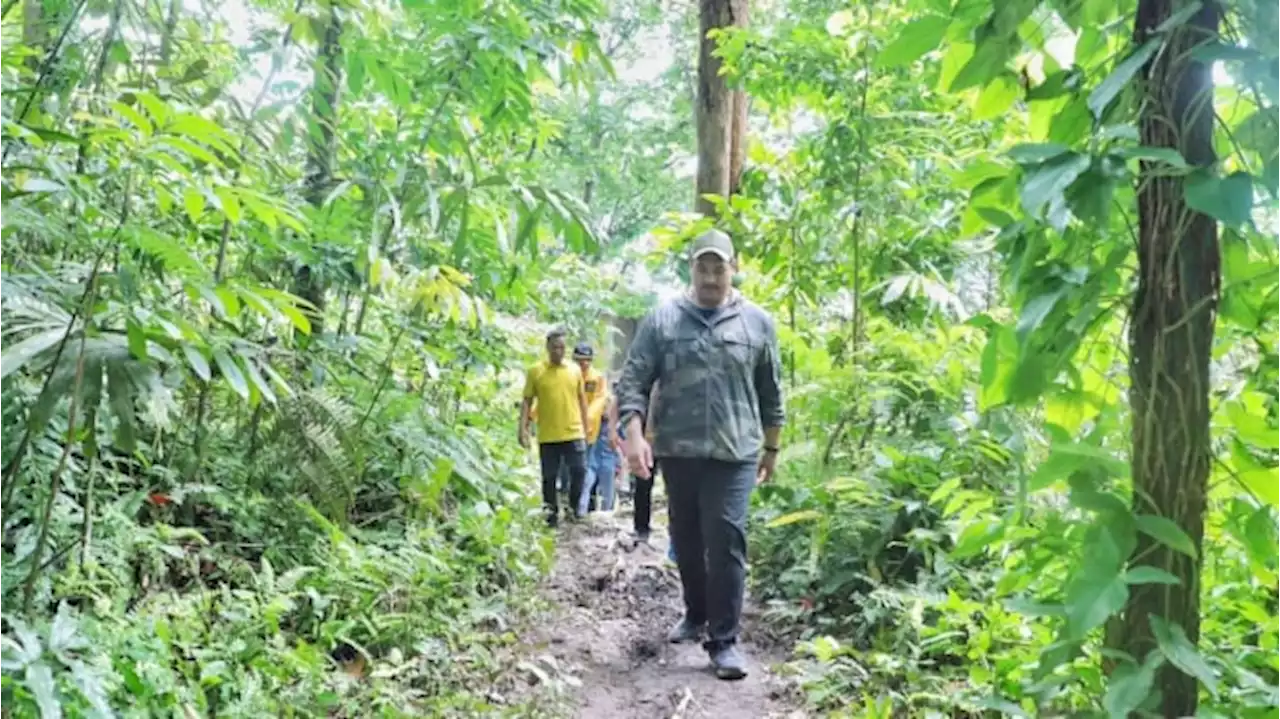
x=768 y=464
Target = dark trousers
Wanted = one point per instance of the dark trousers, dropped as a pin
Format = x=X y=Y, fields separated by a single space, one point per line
x=563 y=483
x=642 y=489
x=554 y=455
x=707 y=503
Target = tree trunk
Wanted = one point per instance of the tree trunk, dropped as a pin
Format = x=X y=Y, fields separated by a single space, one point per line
x=170 y=26
x=1171 y=337
x=320 y=154
x=34 y=34
x=715 y=106
x=738 y=128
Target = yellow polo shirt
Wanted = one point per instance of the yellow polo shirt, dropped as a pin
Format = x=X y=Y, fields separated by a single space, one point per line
x=597 y=389
x=554 y=390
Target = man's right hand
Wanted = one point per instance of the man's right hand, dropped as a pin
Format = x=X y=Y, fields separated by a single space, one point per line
x=524 y=438
x=639 y=456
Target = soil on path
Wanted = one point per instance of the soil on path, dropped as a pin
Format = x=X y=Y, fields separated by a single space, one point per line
x=614 y=600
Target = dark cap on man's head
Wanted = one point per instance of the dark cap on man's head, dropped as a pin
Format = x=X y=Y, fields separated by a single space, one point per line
x=583 y=351
x=712 y=242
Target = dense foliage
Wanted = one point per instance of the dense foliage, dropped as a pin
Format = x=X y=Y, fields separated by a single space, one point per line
x=257 y=376
x=270 y=272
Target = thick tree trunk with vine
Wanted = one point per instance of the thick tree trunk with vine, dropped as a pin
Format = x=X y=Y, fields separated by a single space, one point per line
x=715 y=106
x=320 y=153
x=1171 y=337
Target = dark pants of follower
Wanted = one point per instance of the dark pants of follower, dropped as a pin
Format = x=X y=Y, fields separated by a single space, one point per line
x=707 y=503
x=553 y=455
x=643 y=492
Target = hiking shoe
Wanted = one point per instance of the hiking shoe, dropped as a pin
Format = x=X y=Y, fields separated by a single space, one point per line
x=642 y=537
x=729 y=663
x=685 y=631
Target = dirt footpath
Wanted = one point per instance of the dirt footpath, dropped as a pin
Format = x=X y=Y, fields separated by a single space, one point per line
x=613 y=603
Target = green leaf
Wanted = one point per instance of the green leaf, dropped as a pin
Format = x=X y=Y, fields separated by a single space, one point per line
x=1090 y=498
x=1260 y=536
x=295 y=317
x=39 y=184
x=258 y=381
x=230 y=204
x=120 y=392
x=1108 y=89
x=1265 y=483
x=281 y=386
x=1166 y=155
x=1226 y=199
x=1130 y=685
x=42 y=686
x=976 y=537
x=213 y=299
x=528 y=226
x=230 y=301
x=1055 y=85
x=1036 y=153
x=231 y=371
x=1149 y=575
x=997 y=97
x=198 y=363
x=1036 y=310
x=805 y=515
x=136 y=118
x=63 y=636
x=355 y=72
x=174 y=255
x=988 y=60
x=916 y=38
x=1072 y=123
x=17 y=356
x=1045 y=183
x=1180 y=652
x=999 y=360
x=193 y=200
x=90 y=684
x=137 y=339
x=1167 y=532
x=1091 y=600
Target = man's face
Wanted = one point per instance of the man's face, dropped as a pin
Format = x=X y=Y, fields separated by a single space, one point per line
x=584 y=364
x=555 y=350
x=712 y=278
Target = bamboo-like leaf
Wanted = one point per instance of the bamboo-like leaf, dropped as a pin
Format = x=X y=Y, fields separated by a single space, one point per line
x=231 y=372
x=120 y=391
x=196 y=359
x=17 y=356
x=258 y=381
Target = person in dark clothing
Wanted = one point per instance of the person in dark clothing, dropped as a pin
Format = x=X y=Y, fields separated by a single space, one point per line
x=643 y=486
x=716 y=435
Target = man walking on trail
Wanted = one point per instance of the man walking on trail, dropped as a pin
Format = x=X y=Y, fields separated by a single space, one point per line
x=560 y=394
x=602 y=444
x=716 y=435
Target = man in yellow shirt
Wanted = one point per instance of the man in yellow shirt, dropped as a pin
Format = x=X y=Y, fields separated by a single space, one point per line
x=602 y=438
x=557 y=388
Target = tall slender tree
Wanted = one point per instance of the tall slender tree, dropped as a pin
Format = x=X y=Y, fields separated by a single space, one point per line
x=1171 y=338
x=716 y=107
x=308 y=284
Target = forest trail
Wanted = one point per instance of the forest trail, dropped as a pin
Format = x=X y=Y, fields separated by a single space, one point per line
x=613 y=601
